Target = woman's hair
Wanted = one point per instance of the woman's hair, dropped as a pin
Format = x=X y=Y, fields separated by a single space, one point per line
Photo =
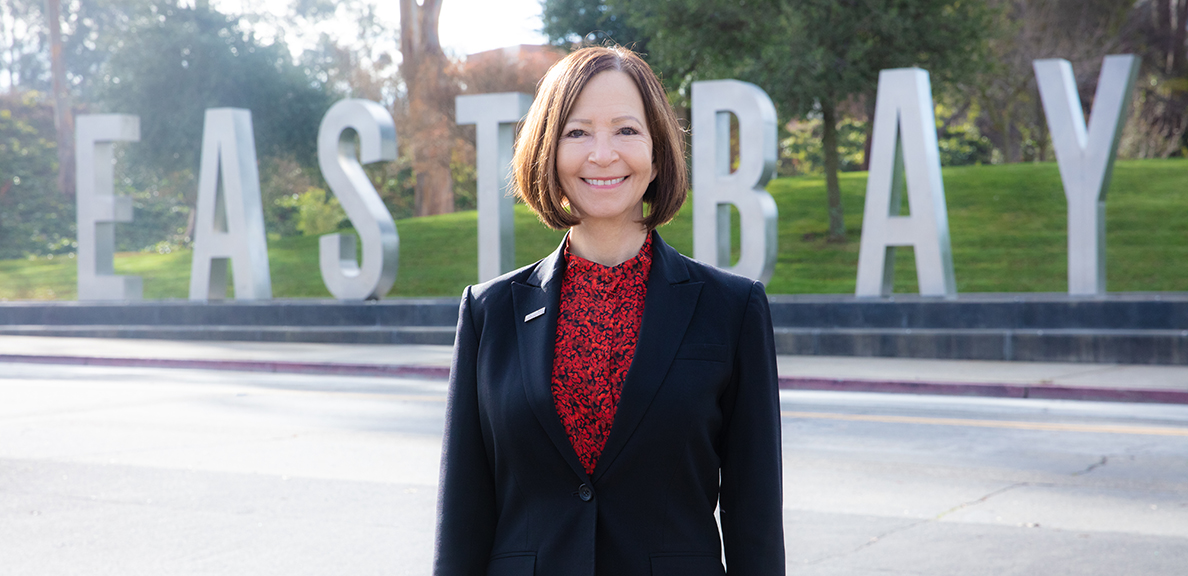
x=534 y=166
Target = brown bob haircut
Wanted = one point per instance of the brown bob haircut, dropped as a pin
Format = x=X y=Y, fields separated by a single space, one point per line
x=534 y=166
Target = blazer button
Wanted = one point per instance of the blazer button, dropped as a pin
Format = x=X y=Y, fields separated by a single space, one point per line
x=585 y=493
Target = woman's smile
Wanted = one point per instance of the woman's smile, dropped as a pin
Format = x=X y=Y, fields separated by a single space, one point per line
x=611 y=183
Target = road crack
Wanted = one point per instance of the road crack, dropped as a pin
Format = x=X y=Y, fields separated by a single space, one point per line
x=965 y=505
x=879 y=537
x=1104 y=460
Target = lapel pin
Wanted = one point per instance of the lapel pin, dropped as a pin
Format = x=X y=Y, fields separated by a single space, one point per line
x=535 y=315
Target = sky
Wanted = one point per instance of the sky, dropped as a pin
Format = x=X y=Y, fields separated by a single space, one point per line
x=469 y=26
x=466 y=26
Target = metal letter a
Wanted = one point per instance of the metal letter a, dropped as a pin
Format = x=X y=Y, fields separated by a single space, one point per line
x=904 y=144
x=232 y=229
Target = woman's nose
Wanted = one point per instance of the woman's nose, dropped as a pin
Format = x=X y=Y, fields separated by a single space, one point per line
x=603 y=152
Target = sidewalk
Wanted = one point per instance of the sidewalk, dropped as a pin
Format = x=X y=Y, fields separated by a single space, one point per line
x=1105 y=382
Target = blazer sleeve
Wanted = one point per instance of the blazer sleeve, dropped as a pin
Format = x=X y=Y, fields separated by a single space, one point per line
x=751 y=493
x=466 y=492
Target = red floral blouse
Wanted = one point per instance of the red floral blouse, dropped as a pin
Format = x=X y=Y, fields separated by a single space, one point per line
x=597 y=328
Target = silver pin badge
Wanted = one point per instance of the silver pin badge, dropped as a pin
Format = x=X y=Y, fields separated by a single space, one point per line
x=535 y=315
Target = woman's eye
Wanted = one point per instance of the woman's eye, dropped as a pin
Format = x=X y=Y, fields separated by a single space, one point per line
x=628 y=131
x=575 y=133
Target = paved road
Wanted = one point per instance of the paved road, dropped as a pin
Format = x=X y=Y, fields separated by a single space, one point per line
x=893 y=484
x=141 y=471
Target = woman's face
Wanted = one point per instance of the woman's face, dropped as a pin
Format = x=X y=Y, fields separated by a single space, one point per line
x=604 y=158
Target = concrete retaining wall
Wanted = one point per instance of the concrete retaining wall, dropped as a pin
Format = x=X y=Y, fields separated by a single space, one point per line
x=1120 y=328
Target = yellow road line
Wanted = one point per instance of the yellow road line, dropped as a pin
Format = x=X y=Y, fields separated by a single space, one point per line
x=1101 y=428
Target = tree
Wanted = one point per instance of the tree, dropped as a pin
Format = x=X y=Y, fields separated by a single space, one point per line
x=1157 y=30
x=167 y=62
x=63 y=115
x=175 y=62
x=430 y=105
x=811 y=56
x=358 y=62
x=23 y=34
x=33 y=219
x=1170 y=20
x=569 y=22
x=1081 y=31
x=53 y=51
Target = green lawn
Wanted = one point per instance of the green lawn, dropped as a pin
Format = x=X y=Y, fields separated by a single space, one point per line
x=1007 y=225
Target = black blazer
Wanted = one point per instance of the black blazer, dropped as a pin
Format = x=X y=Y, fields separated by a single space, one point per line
x=697 y=425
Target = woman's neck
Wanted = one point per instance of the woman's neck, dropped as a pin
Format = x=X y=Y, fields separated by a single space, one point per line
x=607 y=245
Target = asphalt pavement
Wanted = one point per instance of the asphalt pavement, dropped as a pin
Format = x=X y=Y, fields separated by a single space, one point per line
x=134 y=471
x=1043 y=380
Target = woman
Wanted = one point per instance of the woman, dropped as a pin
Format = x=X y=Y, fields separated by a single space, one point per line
x=604 y=400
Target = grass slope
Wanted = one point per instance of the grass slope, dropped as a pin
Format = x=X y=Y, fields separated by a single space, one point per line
x=1007 y=225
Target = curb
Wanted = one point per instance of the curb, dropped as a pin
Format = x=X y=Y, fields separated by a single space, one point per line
x=988 y=390
x=278 y=366
x=1043 y=392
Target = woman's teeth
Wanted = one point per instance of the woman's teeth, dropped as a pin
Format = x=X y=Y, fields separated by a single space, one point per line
x=594 y=182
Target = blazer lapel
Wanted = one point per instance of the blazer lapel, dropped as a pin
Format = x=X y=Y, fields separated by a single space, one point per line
x=668 y=308
x=536 y=335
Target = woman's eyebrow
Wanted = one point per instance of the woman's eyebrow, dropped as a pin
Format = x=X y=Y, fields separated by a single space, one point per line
x=616 y=120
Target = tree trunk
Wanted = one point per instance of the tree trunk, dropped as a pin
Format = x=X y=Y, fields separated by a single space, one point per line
x=1176 y=61
x=431 y=139
x=423 y=68
x=1041 y=123
x=1006 y=124
x=410 y=38
x=63 y=116
x=837 y=224
x=1164 y=21
x=871 y=100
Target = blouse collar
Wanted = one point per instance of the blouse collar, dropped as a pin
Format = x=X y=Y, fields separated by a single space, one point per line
x=638 y=266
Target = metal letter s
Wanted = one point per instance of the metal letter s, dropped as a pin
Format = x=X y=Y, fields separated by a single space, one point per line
x=344 y=277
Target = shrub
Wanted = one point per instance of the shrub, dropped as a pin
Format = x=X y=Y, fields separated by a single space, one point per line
x=36 y=219
x=316 y=214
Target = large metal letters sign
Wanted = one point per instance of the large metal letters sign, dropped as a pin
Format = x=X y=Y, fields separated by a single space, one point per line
x=1086 y=156
x=98 y=207
x=229 y=216
x=904 y=144
x=715 y=187
x=346 y=278
x=229 y=226
x=495 y=117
